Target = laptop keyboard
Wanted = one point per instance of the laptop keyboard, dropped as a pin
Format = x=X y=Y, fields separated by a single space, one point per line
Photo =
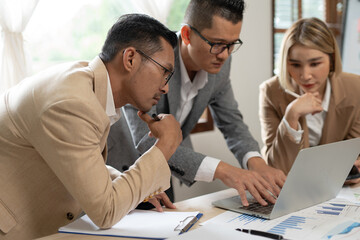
x=257 y=207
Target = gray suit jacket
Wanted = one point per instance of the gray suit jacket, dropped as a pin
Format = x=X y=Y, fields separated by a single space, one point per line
x=217 y=94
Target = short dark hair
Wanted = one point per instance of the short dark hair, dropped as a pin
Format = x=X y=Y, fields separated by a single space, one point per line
x=199 y=13
x=137 y=30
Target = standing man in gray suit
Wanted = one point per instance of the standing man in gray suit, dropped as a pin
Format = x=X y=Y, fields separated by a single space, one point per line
x=201 y=79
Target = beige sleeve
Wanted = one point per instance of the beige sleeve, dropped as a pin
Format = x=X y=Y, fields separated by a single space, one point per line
x=68 y=137
x=280 y=148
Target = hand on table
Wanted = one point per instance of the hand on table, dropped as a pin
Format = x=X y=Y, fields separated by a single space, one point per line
x=159 y=199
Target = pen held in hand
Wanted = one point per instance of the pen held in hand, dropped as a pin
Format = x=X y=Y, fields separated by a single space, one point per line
x=292 y=93
x=155 y=117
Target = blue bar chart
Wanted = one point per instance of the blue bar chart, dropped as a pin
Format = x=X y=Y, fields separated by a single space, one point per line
x=245 y=219
x=291 y=223
x=332 y=209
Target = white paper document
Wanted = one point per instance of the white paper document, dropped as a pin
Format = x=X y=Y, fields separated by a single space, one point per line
x=215 y=232
x=329 y=220
x=138 y=223
x=350 y=194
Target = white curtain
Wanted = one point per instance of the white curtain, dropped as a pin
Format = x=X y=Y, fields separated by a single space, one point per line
x=14 y=16
x=158 y=9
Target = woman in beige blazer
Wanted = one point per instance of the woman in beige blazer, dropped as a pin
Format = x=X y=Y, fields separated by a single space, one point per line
x=311 y=102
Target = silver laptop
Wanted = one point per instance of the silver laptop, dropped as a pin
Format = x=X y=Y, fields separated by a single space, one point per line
x=316 y=176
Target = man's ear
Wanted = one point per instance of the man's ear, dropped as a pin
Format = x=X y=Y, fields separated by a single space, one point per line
x=129 y=58
x=185 y=34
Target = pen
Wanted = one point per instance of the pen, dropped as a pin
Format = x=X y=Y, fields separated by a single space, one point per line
x=260 y=233
x=155 y=117
x=191 y=223
x=292 y=93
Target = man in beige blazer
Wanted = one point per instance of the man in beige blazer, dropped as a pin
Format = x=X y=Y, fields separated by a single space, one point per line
x=54 y=126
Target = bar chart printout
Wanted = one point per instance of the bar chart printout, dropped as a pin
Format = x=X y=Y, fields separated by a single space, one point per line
x=294 y=226
x=293 y=222
x=244 y=219
x=331 y=209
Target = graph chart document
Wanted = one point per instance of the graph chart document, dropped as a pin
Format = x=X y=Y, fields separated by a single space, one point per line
x=329 y=220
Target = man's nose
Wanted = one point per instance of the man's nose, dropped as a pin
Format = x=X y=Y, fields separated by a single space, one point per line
x=165 y=89
x=224 y=54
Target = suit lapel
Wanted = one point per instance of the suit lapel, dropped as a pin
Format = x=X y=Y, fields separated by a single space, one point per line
x=100 y=80
x=174 y=87
x=170 y=102
x=201 y=101
x=337 y=111
x=100 y=89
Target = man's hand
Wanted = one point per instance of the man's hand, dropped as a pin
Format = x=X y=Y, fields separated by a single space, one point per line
x=167 y=131
x=274 y=176
x=242 y=180
x=161 y=198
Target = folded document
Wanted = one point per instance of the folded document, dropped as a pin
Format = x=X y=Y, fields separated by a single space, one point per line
x=138 y=224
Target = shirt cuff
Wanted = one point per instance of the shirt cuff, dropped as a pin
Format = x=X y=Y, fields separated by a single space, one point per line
x=207 y=169
x=295 y=134
x=247 y=157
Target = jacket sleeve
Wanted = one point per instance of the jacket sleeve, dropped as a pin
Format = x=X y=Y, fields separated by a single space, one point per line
x=280 y=149
x=352 y=88
x=68 y=137
x=229 y=120
x=183 y=163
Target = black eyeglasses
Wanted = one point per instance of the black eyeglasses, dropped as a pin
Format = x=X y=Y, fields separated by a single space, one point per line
x=217 y=48
x=167 y=72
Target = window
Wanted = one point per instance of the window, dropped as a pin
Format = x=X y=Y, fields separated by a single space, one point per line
x=61 y=31
x=205 y=123
x=285 y=12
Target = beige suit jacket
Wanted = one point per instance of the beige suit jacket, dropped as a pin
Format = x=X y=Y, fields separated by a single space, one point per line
x=342 y=119
x=53 y=131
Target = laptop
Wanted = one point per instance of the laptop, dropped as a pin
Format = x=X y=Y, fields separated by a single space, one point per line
x=316 y=176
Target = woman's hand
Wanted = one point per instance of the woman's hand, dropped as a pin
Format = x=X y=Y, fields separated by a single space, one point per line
x=305 y=104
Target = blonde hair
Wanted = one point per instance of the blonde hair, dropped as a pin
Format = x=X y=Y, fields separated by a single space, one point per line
x=312 y=33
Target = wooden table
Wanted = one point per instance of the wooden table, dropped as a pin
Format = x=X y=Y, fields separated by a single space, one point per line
x=201 y=204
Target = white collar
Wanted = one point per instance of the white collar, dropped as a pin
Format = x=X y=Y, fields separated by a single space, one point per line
x=326 y=99
x=113 y=113
x=201 y=76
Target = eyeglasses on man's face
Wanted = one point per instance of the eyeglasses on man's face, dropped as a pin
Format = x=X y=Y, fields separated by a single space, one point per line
x=168 y=73
x=217 y=48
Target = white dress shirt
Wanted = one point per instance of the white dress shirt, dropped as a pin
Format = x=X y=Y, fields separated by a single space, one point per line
x=113 y=113
x=189 y=90
x=314 y=122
